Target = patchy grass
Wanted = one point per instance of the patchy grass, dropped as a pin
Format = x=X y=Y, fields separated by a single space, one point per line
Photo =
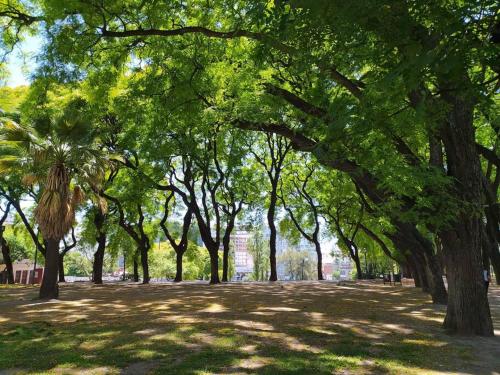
x=258 y=328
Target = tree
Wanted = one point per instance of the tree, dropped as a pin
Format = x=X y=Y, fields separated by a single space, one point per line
x=304 y=217
x=62 y=253
x=51 y=153
x=207 y=211
x=133 y=223
x=180 y=246
x=271 y=155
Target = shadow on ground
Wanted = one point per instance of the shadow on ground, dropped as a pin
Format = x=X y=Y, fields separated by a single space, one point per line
x=240 y=328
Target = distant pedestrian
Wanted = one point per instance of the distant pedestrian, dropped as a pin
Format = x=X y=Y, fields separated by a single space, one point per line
x=487 y=279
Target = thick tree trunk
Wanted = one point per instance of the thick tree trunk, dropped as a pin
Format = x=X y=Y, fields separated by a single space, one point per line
x=468 y=310
x=7 y=259
x=178 y=262
x=214 y=266
x=409 y=239
x=50 y=288
x=317 y=246
x=99 y=259
x=61 y=268
x=145 y=265
x=272 y=235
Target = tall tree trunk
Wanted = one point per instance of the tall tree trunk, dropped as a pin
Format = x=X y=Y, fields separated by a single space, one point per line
x=145 y=265
x=414 y=271
x=468 y=310
x=357 y=262
x=99 y=259
x=226 y=242
x=423 y=275
x=214 y=266
x=7 y=259
x=272 y=234
x=99 y=219
x=61 y=268
x=225 y=263
x=136 y=269
x=178 y=261
x=50 y=288
x=317 y=246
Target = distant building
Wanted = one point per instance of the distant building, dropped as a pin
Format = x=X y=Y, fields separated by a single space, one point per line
x=243 y=260
x=23 y=272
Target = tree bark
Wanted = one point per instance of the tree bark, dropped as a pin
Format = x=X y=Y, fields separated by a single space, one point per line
x=50 y=288
x=214 y=266
x=144 y=262
x=99 y=259
x=317 y=246
x=414 y=271
x=136 y=269
x=226 y=242
x=61 y=268
x=8 y=260
x=178 y=262
x=468 y=309
x=272 y=233
x=99 y=219
x=225 y=263
x=357 y=262
x=409 y=239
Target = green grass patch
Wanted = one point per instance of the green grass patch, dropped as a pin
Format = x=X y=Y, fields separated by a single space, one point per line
x=205 y=349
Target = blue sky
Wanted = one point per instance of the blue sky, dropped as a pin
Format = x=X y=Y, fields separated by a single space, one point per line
x=21 y=62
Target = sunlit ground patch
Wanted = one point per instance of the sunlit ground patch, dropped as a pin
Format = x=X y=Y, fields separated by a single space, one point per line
x=302 y=328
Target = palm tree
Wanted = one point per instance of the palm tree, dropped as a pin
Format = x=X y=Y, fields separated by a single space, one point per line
x=57 y=155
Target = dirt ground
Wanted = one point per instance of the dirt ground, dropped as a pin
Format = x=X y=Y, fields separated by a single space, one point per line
x=247 y=327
